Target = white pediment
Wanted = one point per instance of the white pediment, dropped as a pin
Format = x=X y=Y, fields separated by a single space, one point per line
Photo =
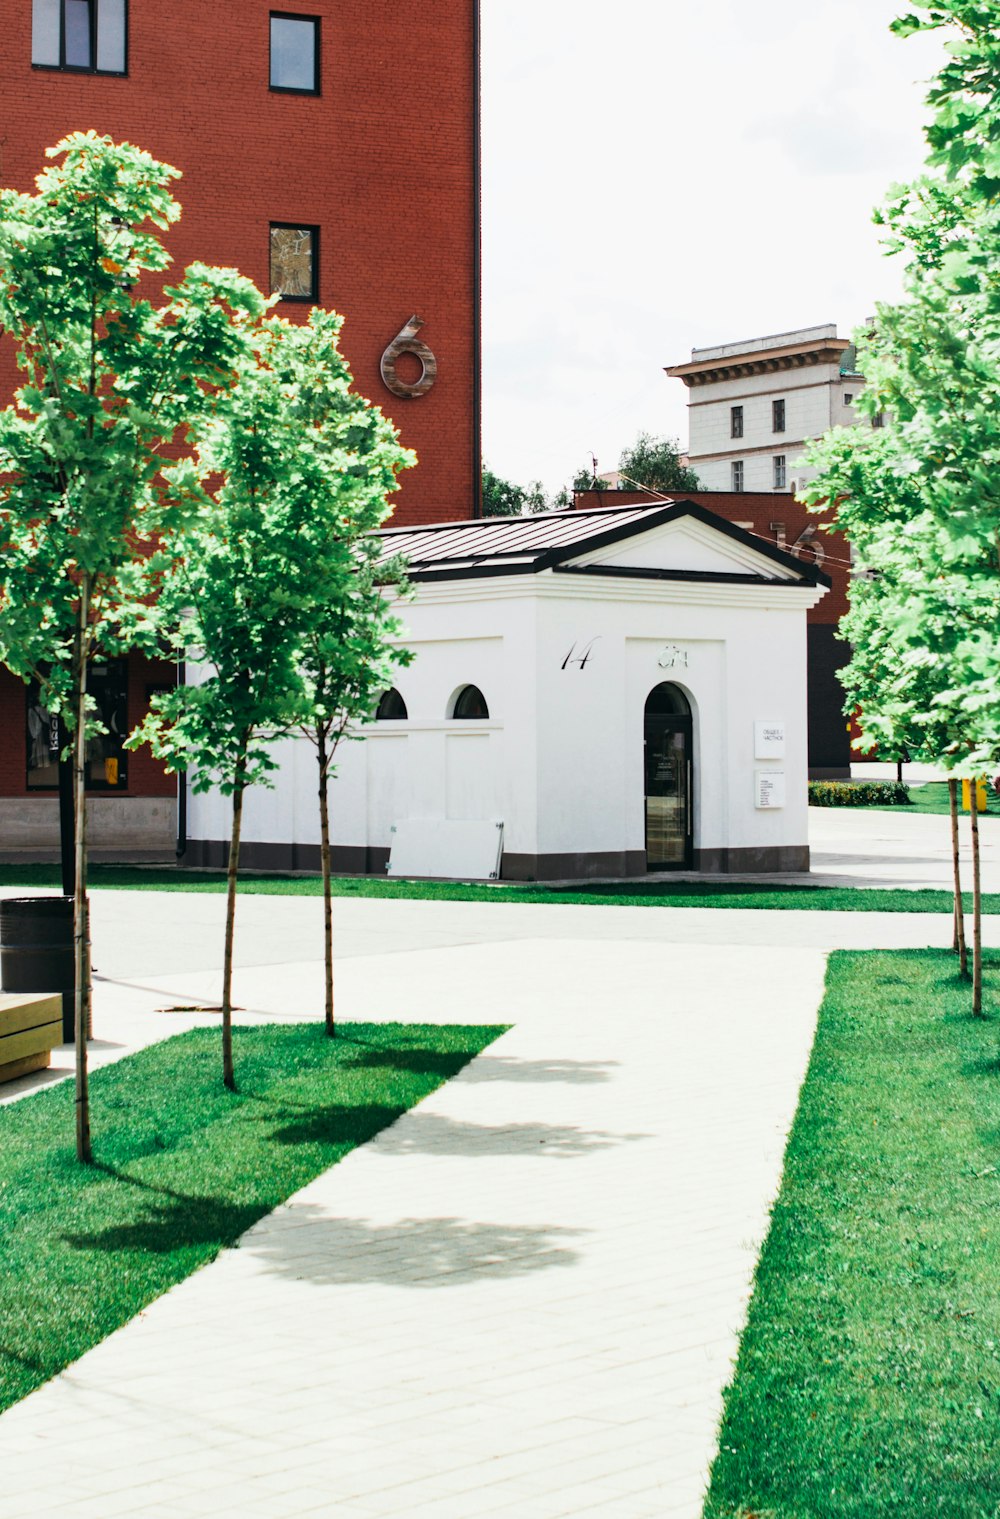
x=686 y=544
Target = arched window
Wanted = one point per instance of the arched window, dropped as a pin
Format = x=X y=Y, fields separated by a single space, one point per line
x=667 y=700
x=470 y=703
x=391 y=707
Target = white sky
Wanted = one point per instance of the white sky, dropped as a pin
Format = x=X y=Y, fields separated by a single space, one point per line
x=662 y=174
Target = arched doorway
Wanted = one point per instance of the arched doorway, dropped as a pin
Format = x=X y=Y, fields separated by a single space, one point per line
x=668 y=779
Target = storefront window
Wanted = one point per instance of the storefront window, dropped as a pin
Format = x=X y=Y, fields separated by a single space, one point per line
x=107 y=760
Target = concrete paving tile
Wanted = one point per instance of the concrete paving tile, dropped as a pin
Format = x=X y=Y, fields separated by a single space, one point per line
x=501 y=1302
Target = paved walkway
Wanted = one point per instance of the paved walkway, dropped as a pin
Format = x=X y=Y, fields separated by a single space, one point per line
x=522 y=1299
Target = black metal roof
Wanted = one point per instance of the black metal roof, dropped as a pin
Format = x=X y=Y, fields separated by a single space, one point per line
x=546 y=540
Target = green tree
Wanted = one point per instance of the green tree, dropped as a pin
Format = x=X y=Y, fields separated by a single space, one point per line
x=932 y=365
x=264 y=594
x=501 y=498
x=655 y=463
x=113 y=389
x=349 y=455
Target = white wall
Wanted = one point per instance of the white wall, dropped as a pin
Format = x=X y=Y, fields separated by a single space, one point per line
x=566 y=664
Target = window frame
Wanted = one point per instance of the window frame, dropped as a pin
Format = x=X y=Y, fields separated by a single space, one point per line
x=294 y=89
x=736 y=421
x=62 y=67
x=778 y=415
x=384 y=700
x=455 y=715
x=116 y=671
x=312 y=299
x=737 y=475
x=780 y=472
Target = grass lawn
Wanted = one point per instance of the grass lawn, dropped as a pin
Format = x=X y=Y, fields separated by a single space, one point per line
x=868 y=1381
x=932 y=797
x=183 y=1167
x=627 y=894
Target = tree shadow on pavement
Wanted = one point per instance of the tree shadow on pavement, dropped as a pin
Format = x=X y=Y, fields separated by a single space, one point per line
x=490 y=1067
x=304 y=1243
x=434 y=1134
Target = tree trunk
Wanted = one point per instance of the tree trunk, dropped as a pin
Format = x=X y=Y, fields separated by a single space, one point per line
x=977 y=920
x=958 y=916
x=324 y=825
x=228 y=1075
x=81 y=926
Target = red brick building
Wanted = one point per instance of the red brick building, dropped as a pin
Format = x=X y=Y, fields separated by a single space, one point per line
x=780 y=519
x=332 y=153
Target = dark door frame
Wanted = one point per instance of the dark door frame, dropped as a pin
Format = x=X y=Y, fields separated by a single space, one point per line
x=655 y=724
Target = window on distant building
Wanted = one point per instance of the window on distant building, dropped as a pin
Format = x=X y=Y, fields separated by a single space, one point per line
x=848 y=397
x=737 y=468
x=777 y=416
x=89 y=35
x=878 y=419
x=779 y=472
x=294 y=262
x=295 y=53
x=736 y=421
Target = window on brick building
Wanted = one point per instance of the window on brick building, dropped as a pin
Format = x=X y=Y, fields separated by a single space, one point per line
x=86 y=35
x=737 y=469
x=777 y=416
x=779 y=472
x=736 y=421
x=295 y=53
x=107 y=759
x=294 y=262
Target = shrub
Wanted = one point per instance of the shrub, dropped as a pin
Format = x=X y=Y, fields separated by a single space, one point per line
x=859 y=794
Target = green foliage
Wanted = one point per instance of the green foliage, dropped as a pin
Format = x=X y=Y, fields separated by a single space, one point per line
x=113 y=388
x=502 y=498
x=920 y=499
x=858 y=794
x=868 y=1374
x=272 y=589
x=655 y=462
x=185 y=1167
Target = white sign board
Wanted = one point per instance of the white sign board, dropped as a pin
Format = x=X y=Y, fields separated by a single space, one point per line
x=768 y=740
x=446 y=848
x=769 y=788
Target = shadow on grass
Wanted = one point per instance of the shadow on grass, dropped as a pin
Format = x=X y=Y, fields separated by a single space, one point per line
x=337 y=1126
x=418 y=1061
x=304 y=1244
x=179 y=1220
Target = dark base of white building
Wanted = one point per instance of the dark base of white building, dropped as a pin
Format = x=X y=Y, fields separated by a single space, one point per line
x=213 y=854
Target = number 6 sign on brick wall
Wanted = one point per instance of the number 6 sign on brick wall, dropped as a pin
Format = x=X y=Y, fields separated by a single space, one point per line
x=406 y=341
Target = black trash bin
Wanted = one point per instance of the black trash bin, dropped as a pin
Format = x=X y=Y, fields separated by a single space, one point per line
x=36 y=950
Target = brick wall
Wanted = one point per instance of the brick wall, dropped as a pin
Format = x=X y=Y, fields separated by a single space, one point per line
x=383 y=161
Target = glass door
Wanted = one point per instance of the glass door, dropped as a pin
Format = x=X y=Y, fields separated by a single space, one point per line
x=668 y=780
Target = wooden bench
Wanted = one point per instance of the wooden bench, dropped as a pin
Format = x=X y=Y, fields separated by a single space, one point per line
x=30 y=1026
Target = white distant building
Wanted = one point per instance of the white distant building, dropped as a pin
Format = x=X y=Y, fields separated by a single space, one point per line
x=755 y=404
x=594 y=693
